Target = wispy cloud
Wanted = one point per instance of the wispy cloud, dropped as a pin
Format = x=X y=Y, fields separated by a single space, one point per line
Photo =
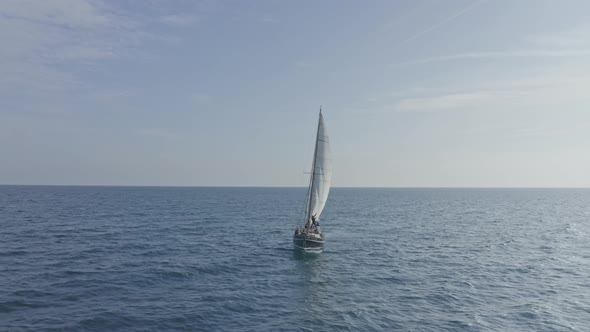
x=544 y=88
x=549 y=130
x=498 y=55
x=47 y=46
x=444 y=21
x=575 y=37
x=179 y=20
x=573 y=42
x=42 y=39
x=107 y=96
x=68 y=13
x=451 y=101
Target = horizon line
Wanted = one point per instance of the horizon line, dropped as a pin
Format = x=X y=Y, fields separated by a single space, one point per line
x=270 y=187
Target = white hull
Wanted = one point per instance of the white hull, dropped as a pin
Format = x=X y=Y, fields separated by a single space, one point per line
x=309 y=242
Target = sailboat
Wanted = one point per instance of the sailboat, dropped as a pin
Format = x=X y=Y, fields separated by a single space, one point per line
x=310 y=237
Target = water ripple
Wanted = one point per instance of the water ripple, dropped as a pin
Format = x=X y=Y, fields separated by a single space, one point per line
x=220 y=259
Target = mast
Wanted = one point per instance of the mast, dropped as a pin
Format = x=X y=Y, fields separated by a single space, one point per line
x=309 y=190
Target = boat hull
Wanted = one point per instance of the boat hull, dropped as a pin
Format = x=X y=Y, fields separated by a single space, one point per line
x=309 y=242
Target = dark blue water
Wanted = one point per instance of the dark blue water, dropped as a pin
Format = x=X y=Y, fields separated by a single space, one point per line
x=221 y=259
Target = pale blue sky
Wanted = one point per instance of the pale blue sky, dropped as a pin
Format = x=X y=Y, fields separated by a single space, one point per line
x=415 y=93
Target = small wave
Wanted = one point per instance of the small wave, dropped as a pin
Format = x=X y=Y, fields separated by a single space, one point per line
x=11 y=306
x=13 y=253
x=30 y=293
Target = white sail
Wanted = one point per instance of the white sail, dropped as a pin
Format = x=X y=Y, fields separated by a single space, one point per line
x=321 y=176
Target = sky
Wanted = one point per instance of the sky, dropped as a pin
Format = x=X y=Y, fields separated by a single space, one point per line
x=415 y=93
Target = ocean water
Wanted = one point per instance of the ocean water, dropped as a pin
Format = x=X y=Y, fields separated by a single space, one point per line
x=221 y=259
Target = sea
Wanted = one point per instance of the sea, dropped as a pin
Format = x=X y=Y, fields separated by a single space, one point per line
x=222 y=259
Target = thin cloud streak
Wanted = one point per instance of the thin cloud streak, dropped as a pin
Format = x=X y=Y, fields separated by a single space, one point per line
x=442 y=102
x=576 y=37
x=498 y=55
x=444 y=21
x=549 y=88
x=179 y=20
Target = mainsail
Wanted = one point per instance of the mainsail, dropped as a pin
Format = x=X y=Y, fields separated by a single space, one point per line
x=321 y=174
